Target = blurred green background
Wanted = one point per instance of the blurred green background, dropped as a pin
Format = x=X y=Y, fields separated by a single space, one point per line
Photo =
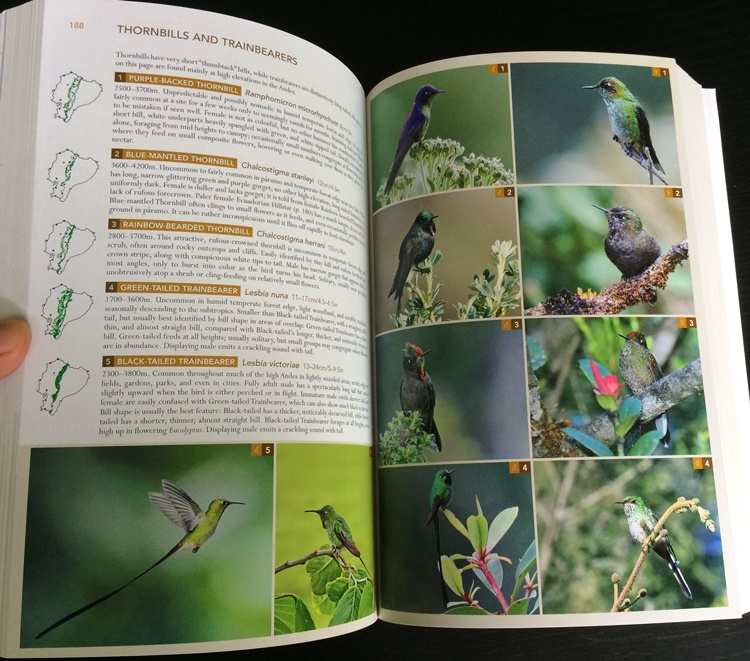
x=410 y=579
x=562 y=242
x=469 y=223
x=309 y=476
x=91 y=528
x=569 y=395
x=584 y=536
x=475 y=111
x=480 y=387
x=562 y=132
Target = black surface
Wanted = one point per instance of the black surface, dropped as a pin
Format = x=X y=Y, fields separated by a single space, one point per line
x=710 y=41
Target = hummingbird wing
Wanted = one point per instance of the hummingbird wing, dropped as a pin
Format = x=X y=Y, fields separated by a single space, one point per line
x=410 y=132
x=432 y=516
x=177 y=506
x=406 y=255
x=645 y=130
x=342 y=532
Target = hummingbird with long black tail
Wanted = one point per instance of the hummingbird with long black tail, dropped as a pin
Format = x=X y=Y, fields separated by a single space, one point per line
x=628 y=120
x=637 y=511
x=441 y=495
x=415 y=248
x=629 y=247
x=338 y=531
x=183 y=511
x=413 y=130
x=640 y=369
x=417 y=391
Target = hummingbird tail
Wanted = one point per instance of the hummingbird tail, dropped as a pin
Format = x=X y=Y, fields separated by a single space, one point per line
x=83 y=609
x=681 y=580
x=661 y=425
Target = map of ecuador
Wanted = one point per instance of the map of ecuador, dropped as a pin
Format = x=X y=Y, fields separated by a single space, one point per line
x=65 y=242
x=73 y=92
x=60 y=380
x=69 y=170
x=63 y=306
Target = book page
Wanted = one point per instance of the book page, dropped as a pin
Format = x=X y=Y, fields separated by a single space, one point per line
x=196 y=259
x=545 y=330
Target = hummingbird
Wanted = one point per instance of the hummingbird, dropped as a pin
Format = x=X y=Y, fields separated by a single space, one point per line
x=338 y=531
x=640 y=369
x=415 y=248
x=417 y=392
x=636 y=510
x=629 y=247
x=440 y=494
x=628 y=120
x=183 y=511
x=413 y=130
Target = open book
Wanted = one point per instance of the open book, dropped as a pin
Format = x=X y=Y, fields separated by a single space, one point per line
x=441 y=351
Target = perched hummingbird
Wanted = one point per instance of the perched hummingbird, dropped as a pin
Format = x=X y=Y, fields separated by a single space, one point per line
x=440 y=494
x=417 y=392
x=338 y=530
x=636 y=511
x=640 y=369
x=627 y=119
x=413 y=130
x=183 y=511
x=415 y=248
x=629 y=247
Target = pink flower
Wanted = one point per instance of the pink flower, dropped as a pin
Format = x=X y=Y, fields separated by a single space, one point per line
x=605 y=385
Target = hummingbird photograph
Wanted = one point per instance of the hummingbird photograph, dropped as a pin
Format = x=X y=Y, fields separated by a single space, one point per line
x=637 y=512
x=628 y=246
x=338 y=531
x=640 y=370
x=629 y=123
x=415 y=248
x=413 y=130
x=441 y=495
x=417 y=393
x=567 y=134
x=102 y=565
x=587 y=548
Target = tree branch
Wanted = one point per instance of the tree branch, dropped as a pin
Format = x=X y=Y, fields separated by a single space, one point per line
x=627 y=292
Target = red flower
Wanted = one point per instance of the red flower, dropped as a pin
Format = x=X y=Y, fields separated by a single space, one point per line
x=605 y=385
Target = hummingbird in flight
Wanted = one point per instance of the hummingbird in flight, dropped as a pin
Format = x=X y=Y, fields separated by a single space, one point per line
x=640 y=369
x=338 y=531
x=629 y=247
x=415 y=248
x=413 y=130
x=417 y=392
x=628 y=120
x=636 y=511
x=183 y=511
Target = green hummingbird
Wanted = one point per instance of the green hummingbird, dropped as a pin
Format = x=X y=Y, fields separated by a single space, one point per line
x=636 y=510
x=415 y=248
x=417 y=392
x=440 y=494
x=640 y=369
x=629 y=247
x=183 y=511
x=628 y=121
x=338 y=531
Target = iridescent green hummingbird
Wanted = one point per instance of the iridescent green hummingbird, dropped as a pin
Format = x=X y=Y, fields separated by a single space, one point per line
x=415 y=248
x=183 y=511
x=440 y=494
x=417 y=392
x=640 y=369
x=338 y=531
x=628 y=120
x=629 y=247
x=636 y=510
x=413 y=129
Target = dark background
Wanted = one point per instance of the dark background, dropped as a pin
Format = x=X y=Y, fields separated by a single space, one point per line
x=375 y=39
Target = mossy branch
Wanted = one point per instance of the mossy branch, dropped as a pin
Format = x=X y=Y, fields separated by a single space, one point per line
x=625 y=293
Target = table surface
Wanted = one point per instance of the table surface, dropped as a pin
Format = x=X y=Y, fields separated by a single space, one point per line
x=710 y=41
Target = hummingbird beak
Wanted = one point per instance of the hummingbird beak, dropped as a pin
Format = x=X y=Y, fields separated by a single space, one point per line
x=596 y=206
x=234 y=502
x=624 y=337
x=589 y=87
x=315 y=511
x=424 y=353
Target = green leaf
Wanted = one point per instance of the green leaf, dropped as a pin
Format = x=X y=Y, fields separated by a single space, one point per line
x=348 y=607
x=519 y=607
x=646 y=444
x=367 y=602
x=456 y=523
x=466 y=610
x=322 y=571
x=500 y=525
x=524 y=568
x=590 y=443
x=336 y=588
x=291 y=615
x=630 y=411
x=452 y=576
x=607 y=402
x=323 y=605
x=537 y=356
x=477 y=526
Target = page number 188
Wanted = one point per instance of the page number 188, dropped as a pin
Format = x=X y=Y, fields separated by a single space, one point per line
x=77 y=25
